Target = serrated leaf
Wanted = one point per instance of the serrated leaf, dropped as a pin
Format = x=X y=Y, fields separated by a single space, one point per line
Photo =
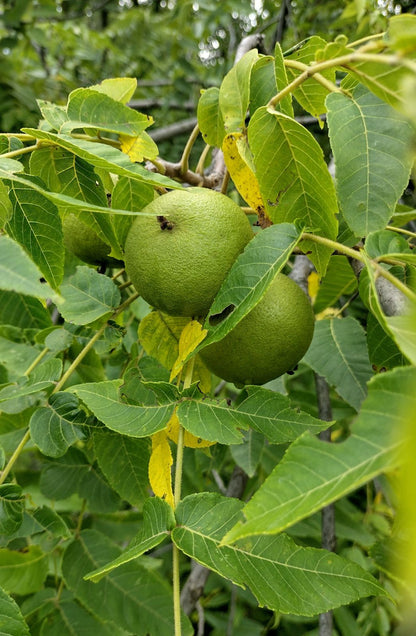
x=12 y=504
x=135 y=598
x=338 y=352
x=191 y=336
x=136 y=421
x=43 y=377
x=249 y=277
x=210 y=120
x=314 y=473
x=37 y=227
x=267 y=412
x=310 y=94
x=19 y=273
x=87 y=296
x=234 y=92
x=248 y=454
x=88 y=108
x=129 y=194
x=282 y=575
x=105 y=157
x=53 y=114
x=380 y=140
x=240 y=166
x=299 y=188
x=12 y=622
x=53 y=428
x=140 y=147
x=121 y=89
x=72 y=473
x=189 y=440
x=69 y=618
x=23 y=572
x=124 y=462
x=160 y=467
x=158 y=521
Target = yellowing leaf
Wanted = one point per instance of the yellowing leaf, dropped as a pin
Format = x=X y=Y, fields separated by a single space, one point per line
x=189 y=440
x=160 y=467
x=140 y=147
x=313 y=285
x=119 y=88
x=191 y=336
x=239 y=163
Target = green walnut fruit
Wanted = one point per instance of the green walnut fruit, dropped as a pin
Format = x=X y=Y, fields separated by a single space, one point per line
x=178 y=255
x=81 y=240
x=269 y=341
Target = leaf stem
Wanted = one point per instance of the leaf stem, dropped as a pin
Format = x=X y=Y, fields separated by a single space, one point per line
x=326 y=83
x=14 y=456
x=36 y=361
x=19 y=151
x=201 y=161
x=401 y=230
x=348 y=251
x=184 y=162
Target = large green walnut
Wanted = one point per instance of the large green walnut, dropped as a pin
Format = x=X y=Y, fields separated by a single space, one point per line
x=81 y=240
x=269 y=341
x=179 y=251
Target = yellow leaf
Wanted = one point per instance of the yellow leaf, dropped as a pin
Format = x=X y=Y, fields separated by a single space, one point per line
x=189 y=440
x=313 y=285
x=239 y=163
x=160 y=467
x=191 y=336
x=140 y=147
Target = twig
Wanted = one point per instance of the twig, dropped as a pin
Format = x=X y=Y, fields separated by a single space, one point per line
x=328 y=513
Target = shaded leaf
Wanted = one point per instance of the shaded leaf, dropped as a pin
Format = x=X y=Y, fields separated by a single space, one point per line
x=124 y=462
x=12 y=622
x=136 y=599
x=338 y=352
x=23 y=311
x=12 y=504
x=23 y=572
x=234 y=92
x=285 y=104
x=338 y=281
x=210 y=120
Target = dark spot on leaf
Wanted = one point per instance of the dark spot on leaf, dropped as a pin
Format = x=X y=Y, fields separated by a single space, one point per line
x=216 y=319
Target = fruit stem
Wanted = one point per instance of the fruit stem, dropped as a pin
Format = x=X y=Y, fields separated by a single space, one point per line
x=184 y=162
x=201 y=161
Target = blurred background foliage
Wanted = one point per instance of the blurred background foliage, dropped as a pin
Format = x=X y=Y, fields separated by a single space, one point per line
x=173 y=47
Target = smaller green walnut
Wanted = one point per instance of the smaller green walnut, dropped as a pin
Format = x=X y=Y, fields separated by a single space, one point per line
x=81 y=240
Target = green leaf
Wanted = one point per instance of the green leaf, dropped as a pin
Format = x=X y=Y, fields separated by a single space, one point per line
x=265 y=411
x=338 y=281
x=248 y=454
x=248 y=279
x=310 y=94
x=369 y=142
x=388 y=243
x=12 y=504
x=136 y=599
x=23 y=311
x=6 y=208
x=23 y=572
x=314 y=473
x=43 y=377
x=382 y=350
x=285 y=104
x=338 y=352
x=102 y=398
x=282 y=575
x=158 y=521
x=234 y=92
x=53 y=428
x=16 y=356
x=121 y=89
x=124 y=461
x=69 y=618
x=37 y=227
x=105 y=157
x=87 y=296
x=71 y=474
x=299 y=188
x=19 y=273
x=262 y=82
x=88 y=108
x=210 y=121
x=11 y=620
